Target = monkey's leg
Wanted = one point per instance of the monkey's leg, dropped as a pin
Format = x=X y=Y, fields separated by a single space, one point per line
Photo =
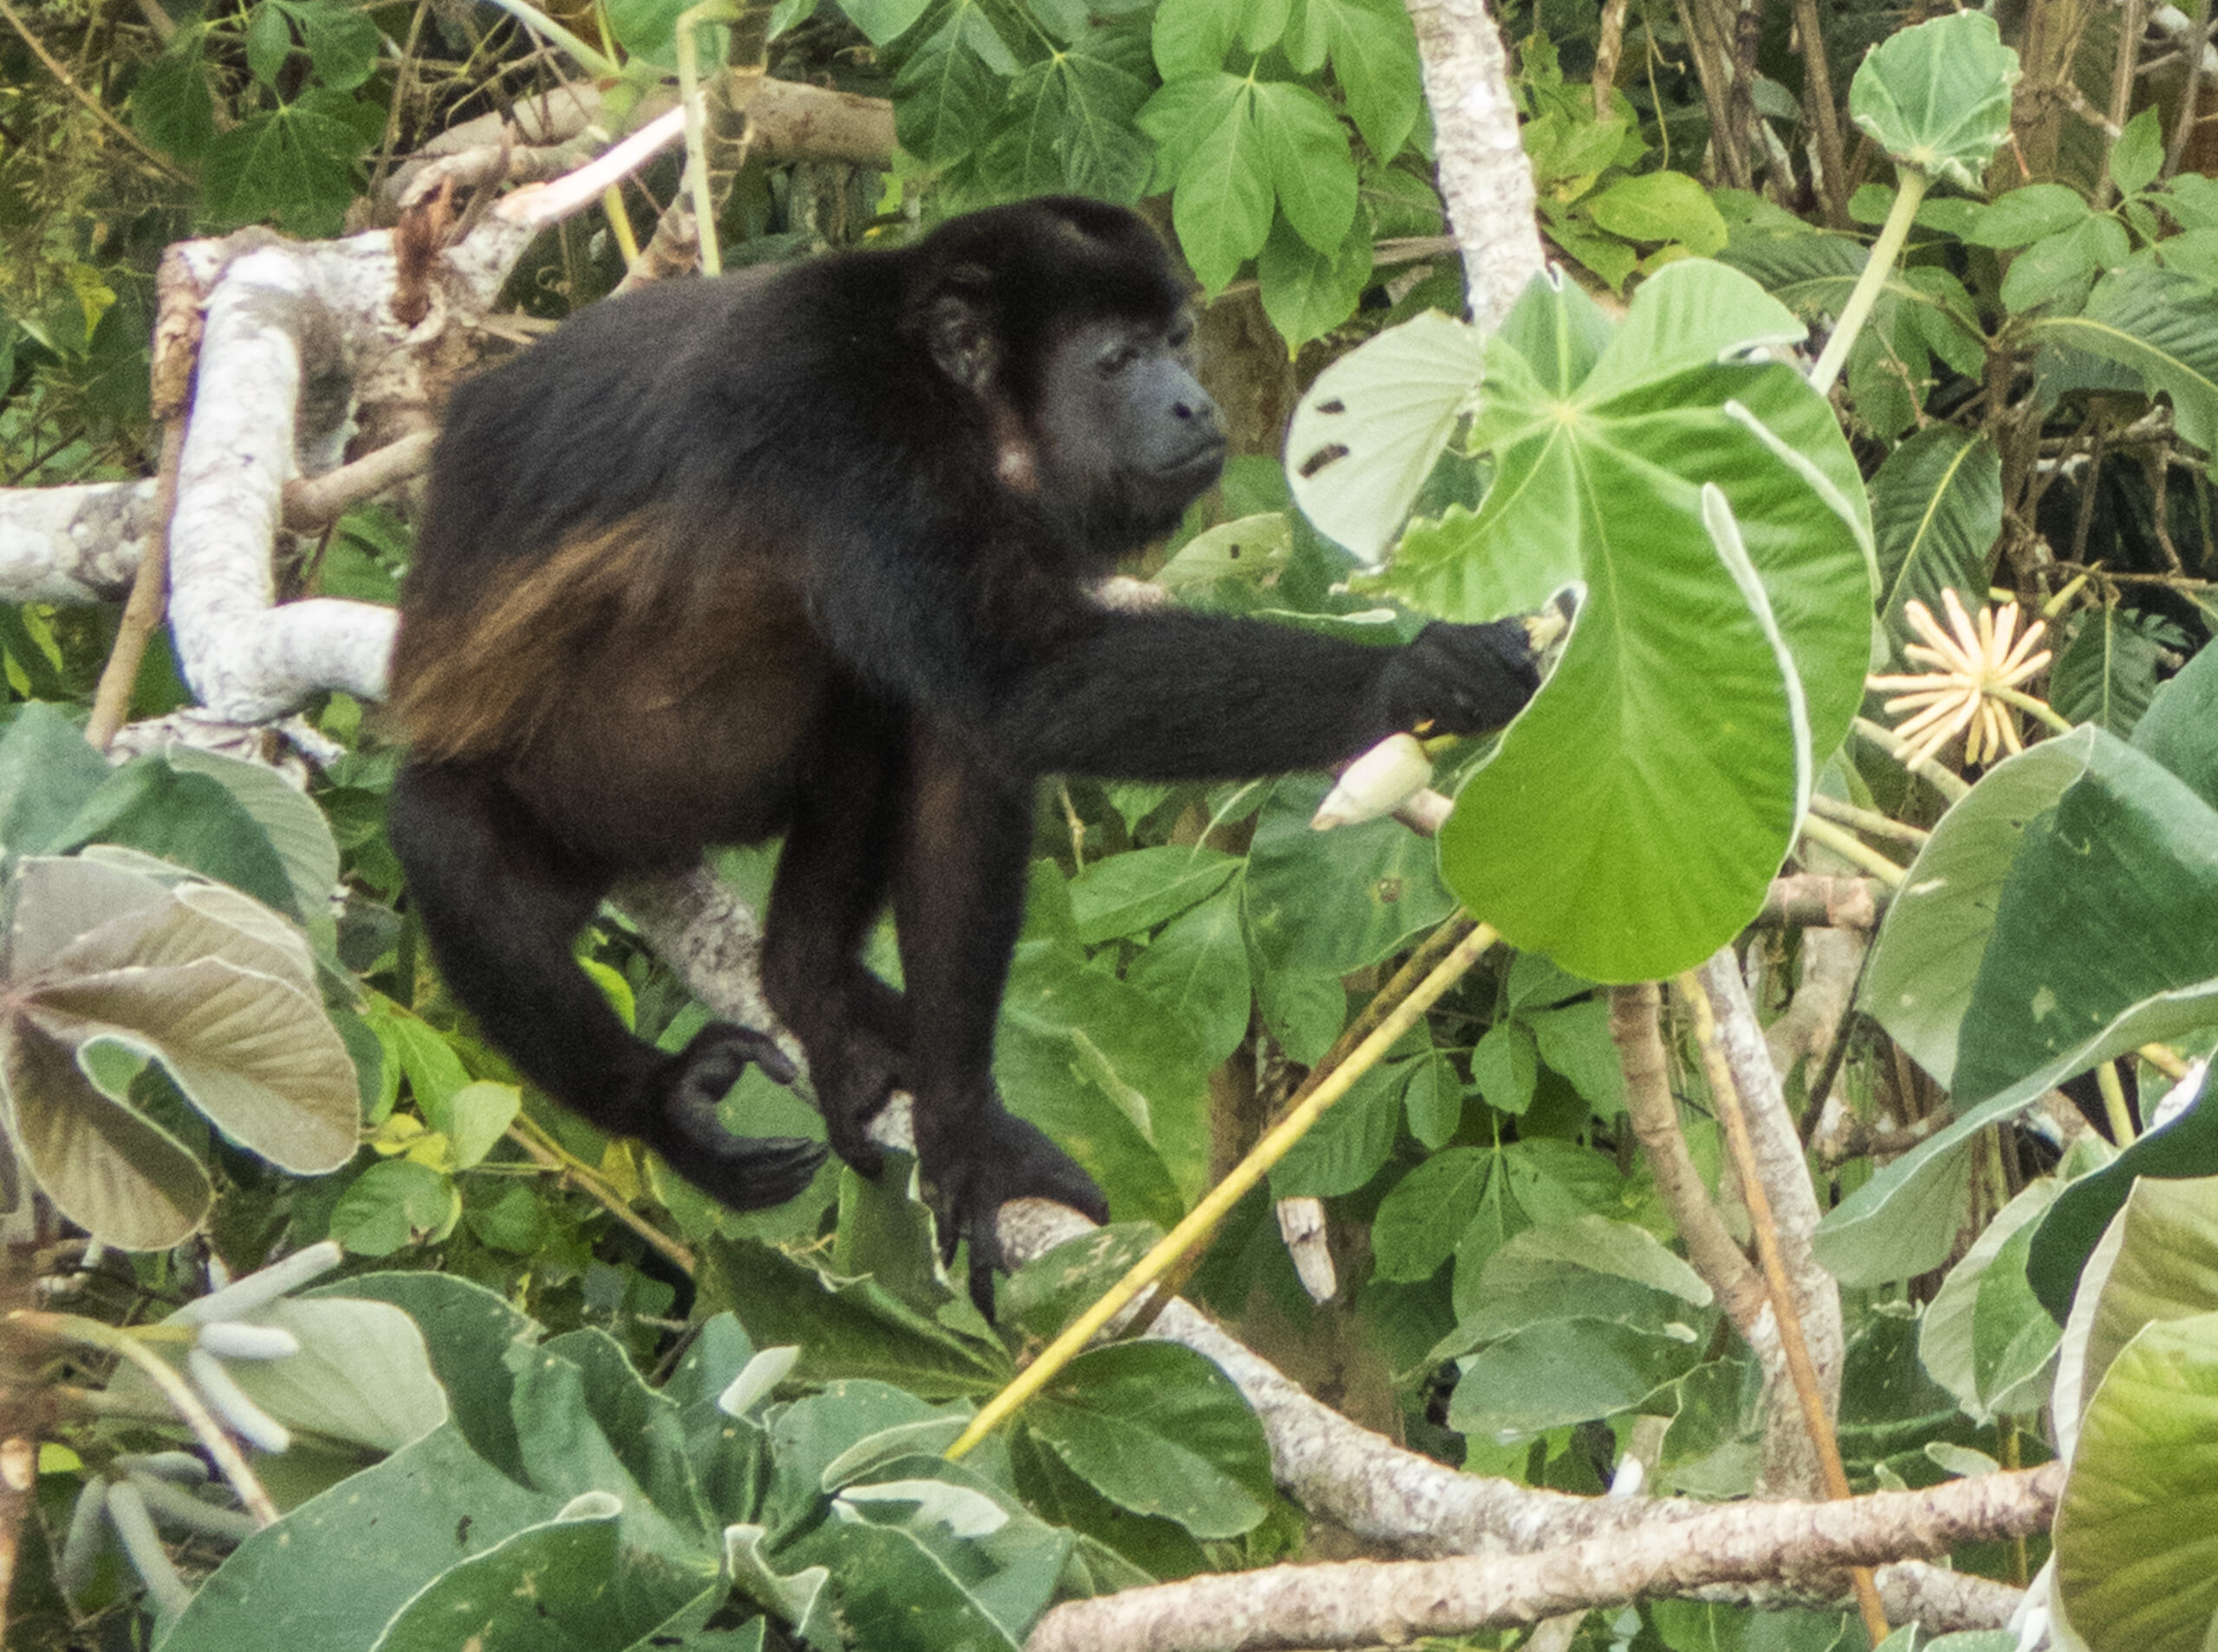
x=502 y=904
x=833 y=875
x=959 y=906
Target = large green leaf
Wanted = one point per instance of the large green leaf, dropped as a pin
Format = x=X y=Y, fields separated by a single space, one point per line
x=2186 y=1147
x=1374 y=55
x=1951 y=1332
x=1926 y=958
x=334 y=1570
x=1937 y=96
x=2137 y=1531
x=1198 y=968
x=2106 y=673
x=1598 y=833
x=1312 y=173
x=1612 y=1270
x=190 y=819
x=47 y=772
x=218 y=988
x=2106 y=937
x=2157 y=1261
x=1307 y=293
x=2180 y=729
x=1329 y=903
x=945 y=97
x=105 y=1164
x=1072 y=121
x=850 y=1328
x=1009 y=1559
x=1159 y=1429
x=2111 y=899
x=1936 y=507
x=1212 y=147
x=295 y=165
x=569 y=1583
x=1093 y=1061
x=1590 y=836
x=2163 y=326
x=1419 y=1223
x=1369 y=432
x=1131 y=894
x=466 y=1329
x=363 y=1374
x=299 y=832
x=895 y=1593
x=1563 y=1371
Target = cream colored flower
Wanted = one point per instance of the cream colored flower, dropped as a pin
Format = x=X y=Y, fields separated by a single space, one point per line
x=1959 y=693
x=1377 y=783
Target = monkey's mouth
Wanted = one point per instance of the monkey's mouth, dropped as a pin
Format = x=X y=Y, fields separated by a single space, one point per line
x=1196 y=469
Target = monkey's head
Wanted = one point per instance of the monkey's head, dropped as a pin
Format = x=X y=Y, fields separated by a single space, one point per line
x=1064 y=319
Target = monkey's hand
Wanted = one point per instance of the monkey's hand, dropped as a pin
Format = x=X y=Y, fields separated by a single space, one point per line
x=989 y=1157
x=745 y=1172
x=1459 y=679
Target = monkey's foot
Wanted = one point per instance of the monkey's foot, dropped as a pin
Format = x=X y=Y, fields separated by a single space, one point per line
x=989 y=1157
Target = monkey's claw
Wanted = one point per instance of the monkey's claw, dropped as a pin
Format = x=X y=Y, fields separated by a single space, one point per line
x=746 y=1172
x=994 y=1158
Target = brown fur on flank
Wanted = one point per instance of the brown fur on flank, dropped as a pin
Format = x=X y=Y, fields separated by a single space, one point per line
x=474 y=683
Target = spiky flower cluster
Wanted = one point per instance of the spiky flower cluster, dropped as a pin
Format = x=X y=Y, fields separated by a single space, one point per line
x=1961 y=692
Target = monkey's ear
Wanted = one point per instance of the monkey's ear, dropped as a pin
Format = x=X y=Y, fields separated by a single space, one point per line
x=960 y=330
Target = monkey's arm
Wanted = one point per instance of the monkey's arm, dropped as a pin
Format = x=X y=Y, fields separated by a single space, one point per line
x=1192 y=696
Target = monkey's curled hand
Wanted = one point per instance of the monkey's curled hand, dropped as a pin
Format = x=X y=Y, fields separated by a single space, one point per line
x=746 y=1172
x=1458 y=679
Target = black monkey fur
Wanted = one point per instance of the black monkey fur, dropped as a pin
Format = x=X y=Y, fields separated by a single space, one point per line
x=811 y=552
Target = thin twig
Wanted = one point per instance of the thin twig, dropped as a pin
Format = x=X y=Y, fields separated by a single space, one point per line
x=1726 y=1095
x=2173 y=581
x=2122 y=68
x=401 y=79
x=160 y=22
x=2160 y=511
x=1824 y=115
x=56 y=67
x=1949 y=784
x=212 y=1435
x=2198 y=44
x=549 y=1154
x=1851 y=848
x=1868 y=822
x=1609 y=47
x=142 y=610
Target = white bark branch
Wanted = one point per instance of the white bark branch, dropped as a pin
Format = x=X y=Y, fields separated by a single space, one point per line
x=1484 y=176
x=1365 y=1603
x=301 y=345
x=75 y=544
x=1790 y=1460
x=249 y=659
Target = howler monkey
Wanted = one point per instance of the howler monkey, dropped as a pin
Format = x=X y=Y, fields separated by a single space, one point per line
x=812 y=553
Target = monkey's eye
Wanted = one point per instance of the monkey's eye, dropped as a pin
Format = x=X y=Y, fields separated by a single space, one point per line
x=1115 y=360
x=1182 y=334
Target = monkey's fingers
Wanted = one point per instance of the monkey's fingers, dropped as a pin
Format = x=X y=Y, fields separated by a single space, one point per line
x=1468 y=679
x=996 y=1157
x=741 y=1172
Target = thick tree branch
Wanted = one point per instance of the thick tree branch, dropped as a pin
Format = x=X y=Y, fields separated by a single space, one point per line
x=1368 y=1603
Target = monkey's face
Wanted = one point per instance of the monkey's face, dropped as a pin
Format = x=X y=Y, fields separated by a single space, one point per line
x=1125 y=431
